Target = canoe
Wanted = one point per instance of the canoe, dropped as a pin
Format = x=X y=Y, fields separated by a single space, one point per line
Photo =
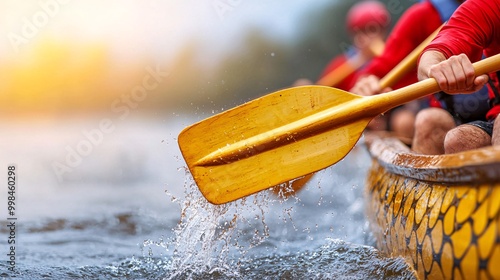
x=441 y=213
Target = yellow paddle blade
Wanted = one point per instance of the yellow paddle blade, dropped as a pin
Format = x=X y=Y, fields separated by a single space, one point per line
x=269 y=141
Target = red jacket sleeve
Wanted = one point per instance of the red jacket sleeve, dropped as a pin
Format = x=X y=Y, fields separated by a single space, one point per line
x=467 y=31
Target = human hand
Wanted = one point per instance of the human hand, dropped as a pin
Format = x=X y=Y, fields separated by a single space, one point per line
x=302 y=82
x=367 y=86
x=454 y=75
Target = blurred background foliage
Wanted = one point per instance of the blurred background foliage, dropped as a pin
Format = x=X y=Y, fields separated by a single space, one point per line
x=57 y=77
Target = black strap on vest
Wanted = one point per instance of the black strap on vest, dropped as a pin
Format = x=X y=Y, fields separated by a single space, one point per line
x=496 y=100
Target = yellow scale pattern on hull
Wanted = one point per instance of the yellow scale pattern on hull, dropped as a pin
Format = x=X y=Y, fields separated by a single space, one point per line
x=443 y=232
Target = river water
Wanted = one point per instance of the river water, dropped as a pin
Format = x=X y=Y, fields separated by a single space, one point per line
x=102 y=198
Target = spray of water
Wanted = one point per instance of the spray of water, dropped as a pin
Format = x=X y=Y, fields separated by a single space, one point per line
x=214 y=239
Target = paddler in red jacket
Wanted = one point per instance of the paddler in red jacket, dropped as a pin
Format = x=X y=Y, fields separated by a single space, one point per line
x=367 y=23
x=471 y=33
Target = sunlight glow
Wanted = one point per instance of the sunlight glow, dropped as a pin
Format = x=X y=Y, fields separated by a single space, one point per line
x=82 y=54
x=67 y=55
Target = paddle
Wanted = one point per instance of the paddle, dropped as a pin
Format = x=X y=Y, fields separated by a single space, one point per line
x=285 y=135
x=403 y=67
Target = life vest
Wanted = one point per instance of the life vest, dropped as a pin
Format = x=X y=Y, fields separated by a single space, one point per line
x=494 y=102
x=465 y=107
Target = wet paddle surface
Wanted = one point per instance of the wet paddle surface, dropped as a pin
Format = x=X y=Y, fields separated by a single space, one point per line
x=96 y=203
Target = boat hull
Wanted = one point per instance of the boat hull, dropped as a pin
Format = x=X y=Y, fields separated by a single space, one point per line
x=444 y=220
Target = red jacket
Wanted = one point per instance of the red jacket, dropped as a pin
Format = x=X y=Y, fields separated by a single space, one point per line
x=420 y=20
x=473 y=28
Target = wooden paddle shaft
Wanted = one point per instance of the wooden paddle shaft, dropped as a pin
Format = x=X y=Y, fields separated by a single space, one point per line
x=383 y=102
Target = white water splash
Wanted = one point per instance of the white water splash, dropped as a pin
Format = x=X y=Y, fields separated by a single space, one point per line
x=213 y=239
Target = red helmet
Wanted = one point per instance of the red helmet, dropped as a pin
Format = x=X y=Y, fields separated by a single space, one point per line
x=367 y=13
